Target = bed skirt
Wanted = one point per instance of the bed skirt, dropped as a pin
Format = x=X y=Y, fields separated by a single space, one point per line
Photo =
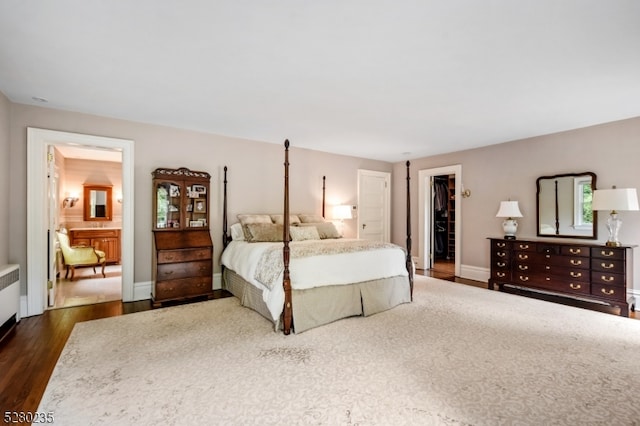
x=323 y=305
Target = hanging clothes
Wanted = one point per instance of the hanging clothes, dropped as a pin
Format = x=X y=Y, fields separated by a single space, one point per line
x=440 y=195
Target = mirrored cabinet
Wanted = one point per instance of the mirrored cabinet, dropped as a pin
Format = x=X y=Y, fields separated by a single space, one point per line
x=183 y=249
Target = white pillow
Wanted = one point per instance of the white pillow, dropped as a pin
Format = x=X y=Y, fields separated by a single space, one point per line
x=304 y=233
x=236 y=232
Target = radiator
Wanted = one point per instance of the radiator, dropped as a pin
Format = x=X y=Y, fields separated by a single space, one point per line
x=9 y=296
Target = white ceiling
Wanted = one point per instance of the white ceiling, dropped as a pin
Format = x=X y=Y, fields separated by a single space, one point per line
x=388 y=80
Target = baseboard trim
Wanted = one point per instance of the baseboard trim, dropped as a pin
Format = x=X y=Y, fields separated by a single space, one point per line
x=475 y=273
x=142 y=290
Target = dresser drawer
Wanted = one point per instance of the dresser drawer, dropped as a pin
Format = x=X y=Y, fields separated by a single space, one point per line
x=183 y=288
x=607 y=253
x=608 y=265
x=610 y=292
x=524 y=246
x=184 y=255
x=501 y=275
x=569 y=287
x=608 y=279
x=574 y=251
x=170 y=271
x=500 y=244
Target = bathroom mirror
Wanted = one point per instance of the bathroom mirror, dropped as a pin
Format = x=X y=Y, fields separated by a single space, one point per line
x=564 y=206
x=97 y=202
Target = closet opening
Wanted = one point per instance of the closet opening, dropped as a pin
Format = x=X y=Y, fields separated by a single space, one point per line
x=443 y=227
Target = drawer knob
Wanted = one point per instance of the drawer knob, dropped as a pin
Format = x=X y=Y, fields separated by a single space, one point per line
x=606 y=253
x=575 y=262
x=523 y=267
x=575 y=286
x=524 y=246
x=608 y=279
x=501 y=245
x=524 y=278
x=575 y=250
x=607 y=265
x=547 y=267
x=501 y=254
x=501 y=264
x=607 y=292
x=501 y=274
x=576 y=274
x=523 y=256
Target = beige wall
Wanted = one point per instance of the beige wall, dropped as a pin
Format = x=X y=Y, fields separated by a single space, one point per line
x=5 y=179
x=255 y=173
x=510 y=170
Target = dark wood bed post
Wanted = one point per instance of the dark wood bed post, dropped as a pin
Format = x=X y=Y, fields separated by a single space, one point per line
x=409 y=262
x=324 y=178
x=287 y=313
x=225 y=236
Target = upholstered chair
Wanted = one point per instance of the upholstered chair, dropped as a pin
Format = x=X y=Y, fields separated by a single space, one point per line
x=79 y=256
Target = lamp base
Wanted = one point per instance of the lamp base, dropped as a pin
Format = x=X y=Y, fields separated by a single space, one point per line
x=613 y=244
x=509 y=237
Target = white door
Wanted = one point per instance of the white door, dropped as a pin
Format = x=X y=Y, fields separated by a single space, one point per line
x=373 y=205
x=52 y=224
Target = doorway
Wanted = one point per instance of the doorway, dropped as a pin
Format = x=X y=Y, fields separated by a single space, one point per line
x=429 y=223
x=443 y=218
x=374 y=207
x=39 y=242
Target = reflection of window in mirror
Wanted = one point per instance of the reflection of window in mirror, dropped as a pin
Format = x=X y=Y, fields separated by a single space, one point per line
x=583 y=214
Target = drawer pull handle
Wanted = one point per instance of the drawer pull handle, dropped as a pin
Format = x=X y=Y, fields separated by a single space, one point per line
x=575 y=250
x=547 y=267
x=608 y=279
x=607 y=253
x=575 y=274
x=547 y=279
x=168 y=272
x=169 y=257
x=524 y=278
x=575 y=262
x=575 y=286
x=607 y=292
x=523 y=256
x=501 y=274
x=607 y=265
x=523 y=267
x=548 y=256
x=501 y=245
x=501 y=264
x=501 y=254
x=524 y=246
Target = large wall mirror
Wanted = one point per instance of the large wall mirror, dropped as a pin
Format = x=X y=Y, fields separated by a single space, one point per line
x=564 y=206
x=97 y=202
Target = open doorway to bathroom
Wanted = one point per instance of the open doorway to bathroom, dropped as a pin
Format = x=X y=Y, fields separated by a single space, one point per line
x=77 y=213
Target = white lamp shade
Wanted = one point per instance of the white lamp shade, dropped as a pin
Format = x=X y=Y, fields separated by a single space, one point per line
x=342 y=212
x=615 y=199
x=509 y=209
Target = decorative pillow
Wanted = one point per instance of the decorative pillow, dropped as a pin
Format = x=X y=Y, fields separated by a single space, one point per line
x=263 y=232
x=325 y=229
x=279 y=219
x=302 y=233
x=246 y=219
x=310 y=218
x=237 y=234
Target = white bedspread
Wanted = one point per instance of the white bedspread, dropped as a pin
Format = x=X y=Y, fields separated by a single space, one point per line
x=308 y=272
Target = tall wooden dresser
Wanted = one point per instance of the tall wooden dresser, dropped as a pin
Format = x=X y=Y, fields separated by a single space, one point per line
x=183 y=249
x=591 y=273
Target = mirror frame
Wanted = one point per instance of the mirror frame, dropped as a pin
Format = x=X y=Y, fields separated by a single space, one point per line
x=87 y=206
x=594 y=233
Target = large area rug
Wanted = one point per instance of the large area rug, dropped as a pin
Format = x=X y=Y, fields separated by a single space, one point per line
x=457 y=355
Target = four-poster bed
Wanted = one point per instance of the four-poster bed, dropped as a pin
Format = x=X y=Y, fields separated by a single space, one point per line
x=306 y=275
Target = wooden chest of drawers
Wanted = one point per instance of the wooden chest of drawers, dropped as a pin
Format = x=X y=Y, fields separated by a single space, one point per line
x=182 y=265
x=587 y=272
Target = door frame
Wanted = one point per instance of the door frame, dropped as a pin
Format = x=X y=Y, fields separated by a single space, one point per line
x=425 y=194
x=37 y=224
x=387 y=200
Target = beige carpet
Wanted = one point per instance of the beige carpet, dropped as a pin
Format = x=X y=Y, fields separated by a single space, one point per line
x=457 y=355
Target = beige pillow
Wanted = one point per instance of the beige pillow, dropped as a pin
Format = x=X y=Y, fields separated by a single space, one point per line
x=325 y=229
x=279 y=218
x=310 y=218
x=246 y=219
x=263 y=232
x=303 y=233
